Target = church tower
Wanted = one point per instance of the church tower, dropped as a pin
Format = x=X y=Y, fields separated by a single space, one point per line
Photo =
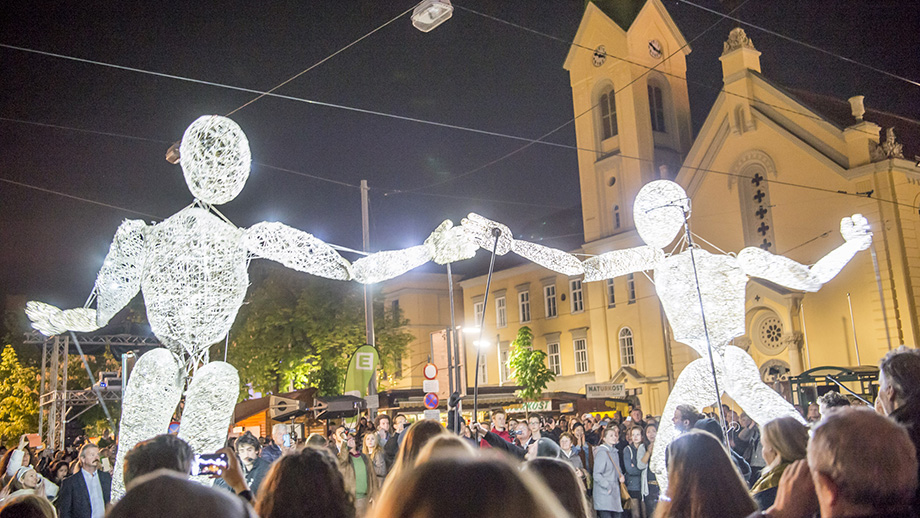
x=627 y=67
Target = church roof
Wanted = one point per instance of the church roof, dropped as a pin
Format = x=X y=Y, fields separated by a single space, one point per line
x=623 y=12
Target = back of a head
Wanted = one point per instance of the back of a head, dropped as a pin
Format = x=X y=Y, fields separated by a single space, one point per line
x=27 y=506
x=305 y=484
x=832 y=399
x=445 y=446
x=788 y=437
x=690 y=413
x=498 y=489
x=417 y=436
x=901 y=370
x=703 y=480
x=548 y=448
x=316 y=440
x=167 y=493
x=708 y=424
x=870 y=458
x=161 y=452
x=559 y=476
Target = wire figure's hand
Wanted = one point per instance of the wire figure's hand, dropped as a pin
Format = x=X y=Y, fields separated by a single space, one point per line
x=449 y=244
x=856 y=229
x=50 y=320
x=481 y=230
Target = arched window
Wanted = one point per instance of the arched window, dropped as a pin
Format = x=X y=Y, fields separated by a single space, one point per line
x=627 y=353
x=608 y=107
x=656 y=108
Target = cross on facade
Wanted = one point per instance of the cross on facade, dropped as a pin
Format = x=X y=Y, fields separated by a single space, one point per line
x=757 y=179
x=759 y=196
x=763 y=228
x=766 y=244
x=761 y=212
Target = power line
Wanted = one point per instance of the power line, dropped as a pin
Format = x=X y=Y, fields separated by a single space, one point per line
x=802 y=43
x=81 y=130
x=78 y=198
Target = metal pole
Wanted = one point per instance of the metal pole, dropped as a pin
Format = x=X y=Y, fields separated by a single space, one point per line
x=853 y=325
x=881 y=294
x=368 y=291
x=91 y=377
x=449 y=335
x=805 y=335
x=41 y=389
x=496 y=232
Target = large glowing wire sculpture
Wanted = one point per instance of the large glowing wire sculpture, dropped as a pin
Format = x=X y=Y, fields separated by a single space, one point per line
x=192 y=269
x=703 y=296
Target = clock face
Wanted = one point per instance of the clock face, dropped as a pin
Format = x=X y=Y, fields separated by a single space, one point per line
x=654 y=49
x=599 y=56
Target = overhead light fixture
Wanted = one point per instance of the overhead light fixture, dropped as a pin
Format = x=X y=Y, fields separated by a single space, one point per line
x=431 y=13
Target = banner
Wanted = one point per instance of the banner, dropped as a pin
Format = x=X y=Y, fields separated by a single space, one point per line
x=361 y=370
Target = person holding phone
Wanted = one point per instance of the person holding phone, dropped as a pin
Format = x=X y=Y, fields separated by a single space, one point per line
x=253 y=466
x=281 y=443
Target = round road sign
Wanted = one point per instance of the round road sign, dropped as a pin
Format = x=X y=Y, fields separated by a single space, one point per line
x=431 y=400
x=431 y=371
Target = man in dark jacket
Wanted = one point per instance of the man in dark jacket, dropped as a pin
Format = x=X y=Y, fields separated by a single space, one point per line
x=86 y=493
x=254 y=467
x=899 y=391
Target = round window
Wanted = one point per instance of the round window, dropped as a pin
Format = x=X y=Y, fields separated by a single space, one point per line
x=769 y=333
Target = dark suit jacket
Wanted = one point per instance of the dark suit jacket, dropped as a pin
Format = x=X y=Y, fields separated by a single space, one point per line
x=73 y=498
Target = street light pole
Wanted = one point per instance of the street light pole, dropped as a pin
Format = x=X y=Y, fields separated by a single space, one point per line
x=496 y=232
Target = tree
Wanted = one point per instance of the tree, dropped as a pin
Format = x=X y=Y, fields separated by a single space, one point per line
x=301 y=330
x=528 y=367
x=18 y=396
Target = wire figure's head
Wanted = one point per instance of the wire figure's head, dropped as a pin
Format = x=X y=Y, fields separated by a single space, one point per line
x=215 y=159
x=659 y=211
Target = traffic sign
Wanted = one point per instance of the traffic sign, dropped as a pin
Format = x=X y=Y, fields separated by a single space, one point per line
x=434 y=415
x=431 y=371
x=431 y=401
x=431 y=386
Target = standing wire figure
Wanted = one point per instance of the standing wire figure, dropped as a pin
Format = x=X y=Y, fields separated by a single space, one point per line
x=695 y=287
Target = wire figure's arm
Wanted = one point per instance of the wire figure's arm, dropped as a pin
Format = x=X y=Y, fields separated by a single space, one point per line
x=118 y=282
x=307 y=253
x=605 y=266
x=786 y=272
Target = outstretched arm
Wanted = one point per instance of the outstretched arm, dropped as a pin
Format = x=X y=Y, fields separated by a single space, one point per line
x=786 y=272
x=604 y=266
x=118 y=282
x=307 y=253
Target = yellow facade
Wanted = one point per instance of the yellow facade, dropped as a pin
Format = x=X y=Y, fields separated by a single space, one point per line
x=744 y=172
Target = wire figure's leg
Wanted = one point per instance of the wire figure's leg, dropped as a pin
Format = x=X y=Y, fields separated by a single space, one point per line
x=149 y=401
x=694 y=387
x=744 y=385
x=209 y=403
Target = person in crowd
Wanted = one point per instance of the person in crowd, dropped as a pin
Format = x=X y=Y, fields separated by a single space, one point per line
x=564 y=484
x=535 y=423
x=685 y=416
x=58 y=472
x=608 y=476
x=635 y=416
x=437 y=489
x=585 y=450
x=382 y=426
x=85 y=494
x=899 y=389
x=813 y=415
x=703 y=481
x=358 y=472
x=650 y=481
x=27 y=506
x=563 y=423
x=164 y=451
x=636 y=479
x=254 y=467
x=27 y=481
x=574 y=456
x=712 y=426
x=831 y=400
x=391 y=448
x=316 y=440
x=785 y=440
x=445 y=445
x=515 y=448
x=546 y=447
x=749 y=445
x=277 y=448
x=859 y=464
x=319 y=492
x=416 y=437
x=552 y=429
x=167 y=493
x=498 y=428
x=338 y=438
x=375 y=456
x=16 y=458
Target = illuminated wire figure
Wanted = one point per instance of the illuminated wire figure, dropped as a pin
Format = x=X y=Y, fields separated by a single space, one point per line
x=192 y=269
x=703 y=296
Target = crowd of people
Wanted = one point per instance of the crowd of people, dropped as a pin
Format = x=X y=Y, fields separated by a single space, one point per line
x=850 y=461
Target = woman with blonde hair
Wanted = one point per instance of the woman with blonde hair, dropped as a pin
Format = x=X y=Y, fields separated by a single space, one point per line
x=26 y=481
x=784 y=440
x=445 y=446
x=467 y=488
x=360 y=479
x=703 y=481
x=376 y=456
x=417 y=436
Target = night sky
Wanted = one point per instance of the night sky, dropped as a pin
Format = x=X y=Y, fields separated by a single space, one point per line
x=471 y=71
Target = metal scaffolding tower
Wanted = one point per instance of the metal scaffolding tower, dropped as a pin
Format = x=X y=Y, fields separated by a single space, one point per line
x=55 y=400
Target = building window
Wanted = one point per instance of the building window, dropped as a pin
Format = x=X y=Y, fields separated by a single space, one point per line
x=630 y=288
x=627 y=353
x=656 y=108
x=524 y=306
x=501 y=316
x=478 y=308
x=616 y=216
x=608 y=107
x=398 y=370
x=554 y=358
x=503 y=360
x=577 y=295
x=394 y=307
x=581 y=355
x=611 y=295
x=483 y=368
x=549 y=296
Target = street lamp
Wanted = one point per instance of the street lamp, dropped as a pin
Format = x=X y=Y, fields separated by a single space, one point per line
x=480 y=344
x=431 y=13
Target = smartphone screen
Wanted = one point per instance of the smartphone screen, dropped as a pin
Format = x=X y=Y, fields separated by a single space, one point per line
x=286 y=439
x=106 y=465
x=209 y=464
